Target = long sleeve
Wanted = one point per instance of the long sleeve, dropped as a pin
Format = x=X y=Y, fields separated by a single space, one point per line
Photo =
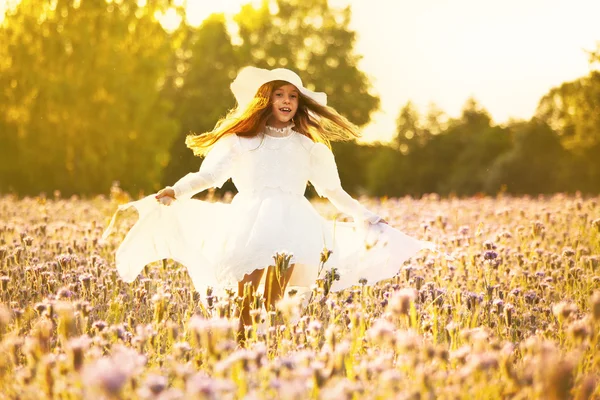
x=214 y=170
x=325 y=178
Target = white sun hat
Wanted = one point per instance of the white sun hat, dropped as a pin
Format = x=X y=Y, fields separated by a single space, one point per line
x=250 y=79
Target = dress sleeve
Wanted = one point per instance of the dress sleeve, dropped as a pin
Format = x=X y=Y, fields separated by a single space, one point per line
x=326 y=180
x=214 y=170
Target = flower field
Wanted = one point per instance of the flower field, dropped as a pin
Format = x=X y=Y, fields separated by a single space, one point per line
x=510 y=311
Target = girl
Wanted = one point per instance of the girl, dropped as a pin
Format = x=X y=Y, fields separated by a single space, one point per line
x=271 y=145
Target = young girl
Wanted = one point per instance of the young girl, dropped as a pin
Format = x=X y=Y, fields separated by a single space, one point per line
x=271 y=145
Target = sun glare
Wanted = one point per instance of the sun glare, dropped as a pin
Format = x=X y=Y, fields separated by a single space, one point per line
x=199 y=10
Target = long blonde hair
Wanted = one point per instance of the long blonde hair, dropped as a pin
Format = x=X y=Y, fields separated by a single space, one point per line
x=318 y=122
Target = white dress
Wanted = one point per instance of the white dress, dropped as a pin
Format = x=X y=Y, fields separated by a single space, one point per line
x=219 y=243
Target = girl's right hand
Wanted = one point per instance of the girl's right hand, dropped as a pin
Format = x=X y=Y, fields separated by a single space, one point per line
x=165 y=196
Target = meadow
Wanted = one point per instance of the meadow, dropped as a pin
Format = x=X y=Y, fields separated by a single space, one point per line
x=511 y=311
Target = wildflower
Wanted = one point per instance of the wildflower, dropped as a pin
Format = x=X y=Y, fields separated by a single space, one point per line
x=99 y=325
x=78 y=346
x=105 y=376
x=314 y=326
x=325 y=254
x=559 y=379
x=155 y=384
x=5 y=317
x=85 y=279
x=400 y=301
x=181 y=348
x=568 y=252
x=484 y=361
x=596 y=224
x=563 y=310
x=595 y=302
x=489 y=245
x=382 y=332
x=4 y=282
x=461 y=353
x=580 y=330
x=289 y=307
x=408 y=340
x=508 y=313
x=128 y=359
x=201 y=385
x=499 y=304
x=537 y=228
x=66 y=318
x=587 y=387
x=64 y=293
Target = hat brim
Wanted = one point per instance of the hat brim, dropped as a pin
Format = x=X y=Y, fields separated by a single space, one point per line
x=250 y=79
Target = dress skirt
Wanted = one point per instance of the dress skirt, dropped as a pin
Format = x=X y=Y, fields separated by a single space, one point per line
x=219 y=243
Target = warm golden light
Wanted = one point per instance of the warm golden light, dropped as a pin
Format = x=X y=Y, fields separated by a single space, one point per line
x=505 y=54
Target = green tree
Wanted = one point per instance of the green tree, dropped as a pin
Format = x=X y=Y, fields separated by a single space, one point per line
x=537 y=163
x=315 y=40
x=81 y=104
x=480 y=143
x=436 y=120
x=571 y=109
x=198 y=86
x=386 y=172
x=409 y=132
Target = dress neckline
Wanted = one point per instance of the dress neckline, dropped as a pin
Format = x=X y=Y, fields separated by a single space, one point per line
x=269 y=131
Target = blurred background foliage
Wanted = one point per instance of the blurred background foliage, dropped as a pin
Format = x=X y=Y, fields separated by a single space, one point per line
x=97 y=91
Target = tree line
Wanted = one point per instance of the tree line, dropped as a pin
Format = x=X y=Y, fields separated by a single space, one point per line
x=99 y=91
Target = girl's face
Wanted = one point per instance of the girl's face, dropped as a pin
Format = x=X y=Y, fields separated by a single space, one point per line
x=284 y=104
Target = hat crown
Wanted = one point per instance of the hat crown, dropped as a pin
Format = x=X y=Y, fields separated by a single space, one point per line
x=287 y=75
x=250 y=79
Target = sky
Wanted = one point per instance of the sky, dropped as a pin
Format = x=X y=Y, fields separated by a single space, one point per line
x=506 y=54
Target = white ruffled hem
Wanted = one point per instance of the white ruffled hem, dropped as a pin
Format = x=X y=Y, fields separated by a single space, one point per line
x=219 y=243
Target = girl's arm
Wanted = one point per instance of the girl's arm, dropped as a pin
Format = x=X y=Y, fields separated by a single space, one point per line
x=345 y=203
x=326 y=180
x=214 y=171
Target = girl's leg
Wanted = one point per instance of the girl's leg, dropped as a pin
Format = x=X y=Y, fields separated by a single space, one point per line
x=253 y=279
x=275 y=285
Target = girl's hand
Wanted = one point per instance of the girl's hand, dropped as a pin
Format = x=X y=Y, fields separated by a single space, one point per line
x=165 y=196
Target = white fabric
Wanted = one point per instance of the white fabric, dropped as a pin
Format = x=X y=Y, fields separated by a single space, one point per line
x=250 y=79
x=220 y=243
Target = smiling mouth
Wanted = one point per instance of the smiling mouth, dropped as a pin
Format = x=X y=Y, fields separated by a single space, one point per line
x=285 y=109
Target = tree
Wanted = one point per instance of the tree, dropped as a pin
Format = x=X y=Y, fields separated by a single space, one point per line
x=315 y=40
x=409 y=133
x=81 y=102
x=198 y=86
x=535 y=165
x=386 y=172
x=572 y=111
